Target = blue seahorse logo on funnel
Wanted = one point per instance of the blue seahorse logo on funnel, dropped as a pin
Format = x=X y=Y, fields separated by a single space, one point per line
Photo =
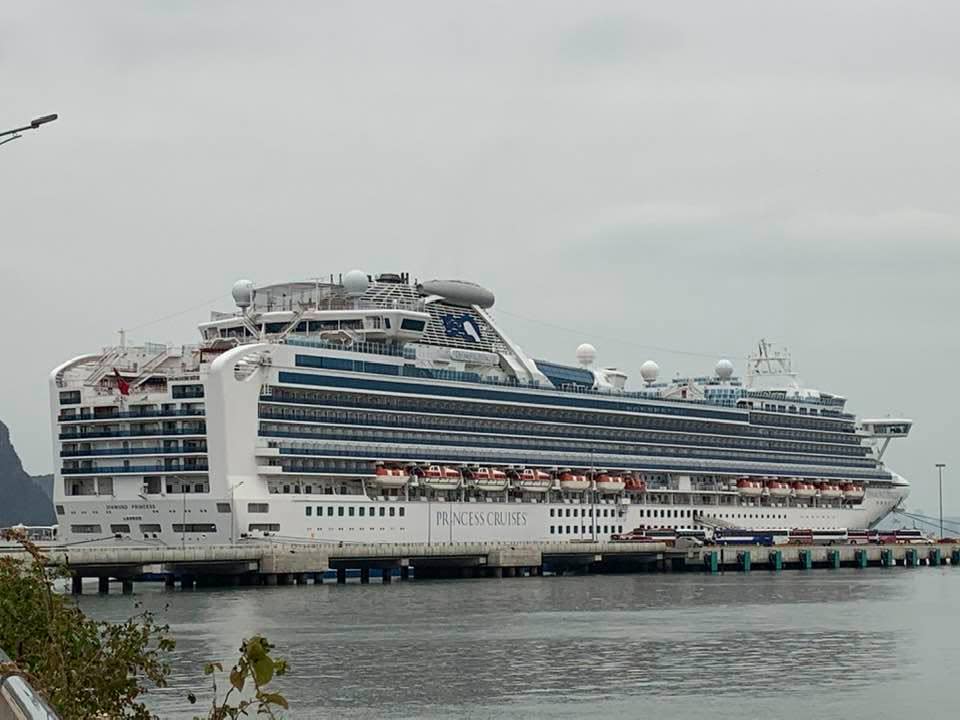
x=461 y=326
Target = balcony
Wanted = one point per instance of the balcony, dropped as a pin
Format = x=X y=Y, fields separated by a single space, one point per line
x=133 y=451
x=137 y=469
x=87 y=417
x=80 y=437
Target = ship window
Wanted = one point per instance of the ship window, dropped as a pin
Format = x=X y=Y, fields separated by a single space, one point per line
x=223 y=507
x=195 y=528
x=149 y=528
x=362 y=511
x=330 y=511
x=383 y=511
x=262 y=527
x=552 y=529
x=86 y=529
x=120 y=529
x=340 y=511
x=392 y=512
x=408 y=324
x=351 y=510
x=402 y=511
x=69 y=397
x=258 y=507
x=308 y=510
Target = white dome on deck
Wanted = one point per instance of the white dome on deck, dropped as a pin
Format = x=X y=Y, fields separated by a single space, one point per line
x=586 y=354
x=355 y=283
x=724 y=369
x=242 y=293
x=649 y=371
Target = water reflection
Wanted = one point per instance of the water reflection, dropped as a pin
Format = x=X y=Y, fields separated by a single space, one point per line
x=534 y=646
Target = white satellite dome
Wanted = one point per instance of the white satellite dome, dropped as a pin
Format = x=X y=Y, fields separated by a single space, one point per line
x=242 y=293
x=724 y=369
x=355 y=283
x=649 y=371
x=586 y=354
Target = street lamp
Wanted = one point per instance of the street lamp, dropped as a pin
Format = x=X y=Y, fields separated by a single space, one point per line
x=34 y=124
x=940 y=467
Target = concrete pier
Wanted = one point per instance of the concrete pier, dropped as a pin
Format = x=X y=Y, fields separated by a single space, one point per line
x=274 y=563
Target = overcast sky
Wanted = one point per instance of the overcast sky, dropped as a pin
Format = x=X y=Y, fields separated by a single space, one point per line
x=649 y=177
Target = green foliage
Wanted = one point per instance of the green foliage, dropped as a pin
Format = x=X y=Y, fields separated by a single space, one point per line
x=84 y=668
x=256 y=666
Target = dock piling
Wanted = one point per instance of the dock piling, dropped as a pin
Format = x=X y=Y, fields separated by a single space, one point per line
x=775 y=560
x=861 y=558
x=743 y=560
x=806 y=559
x=833 y=558
x=103 y=585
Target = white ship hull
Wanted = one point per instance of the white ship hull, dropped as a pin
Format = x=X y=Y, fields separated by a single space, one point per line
x=436 y=521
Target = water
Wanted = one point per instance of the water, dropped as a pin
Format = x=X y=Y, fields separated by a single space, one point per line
x=826 y=644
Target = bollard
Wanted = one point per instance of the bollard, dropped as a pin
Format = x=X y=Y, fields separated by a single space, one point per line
x=886 y=558
x=861 y=558
x=912 y=558
x=776 y=561
x=833 y=558
x=743 y=560
x=710 y=561
x=935 y=558
x=806 y=559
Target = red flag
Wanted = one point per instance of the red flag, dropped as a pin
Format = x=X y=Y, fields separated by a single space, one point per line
x=122 y=385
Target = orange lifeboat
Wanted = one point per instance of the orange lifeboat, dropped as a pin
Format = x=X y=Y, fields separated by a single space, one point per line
x=533 y=480
x=574 y=483
x=489 y=479
x=636 y=485
x=610 y=483
x=390 y=477
x=441 y=477
x=748 y=487
x=804 y=489
x=853 y=493
x=778 y=488
x=830 y=491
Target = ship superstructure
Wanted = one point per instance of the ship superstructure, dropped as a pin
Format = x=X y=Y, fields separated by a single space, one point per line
x=376 y=409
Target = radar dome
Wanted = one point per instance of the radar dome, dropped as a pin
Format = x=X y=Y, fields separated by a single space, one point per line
x=724 y=369
x=242 y=293
x=586 y=354
x=355 y=283
x=649 y=371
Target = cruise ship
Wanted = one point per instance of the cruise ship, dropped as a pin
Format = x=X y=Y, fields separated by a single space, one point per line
x=363 y=408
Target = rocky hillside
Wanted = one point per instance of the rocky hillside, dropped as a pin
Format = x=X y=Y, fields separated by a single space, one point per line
x=22 y=499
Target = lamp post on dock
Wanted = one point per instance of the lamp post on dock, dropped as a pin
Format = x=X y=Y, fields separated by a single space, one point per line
x=940 y=467
x=34 y=124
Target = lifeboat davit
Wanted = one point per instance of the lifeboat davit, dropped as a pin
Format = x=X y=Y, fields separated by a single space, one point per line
x=389 y=477
x=804 y=489
x=531 y=480
x=489 y=479
x=574 y=483
x=610 y=483
x=441 y=477
x=778 y=488
x=749 y=487
x=853 y=493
